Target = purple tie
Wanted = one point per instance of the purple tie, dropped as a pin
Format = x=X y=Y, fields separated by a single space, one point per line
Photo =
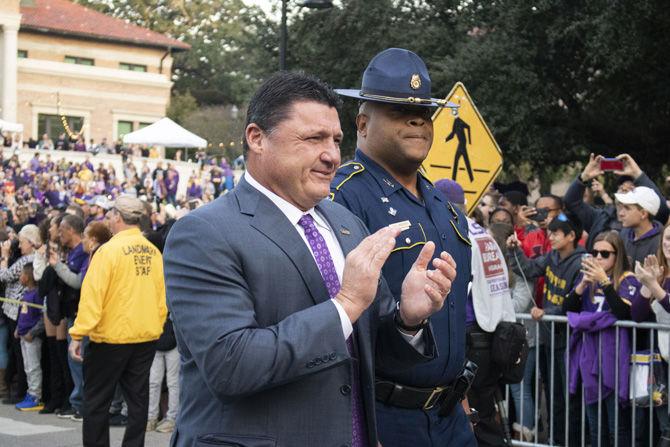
x=327 y=269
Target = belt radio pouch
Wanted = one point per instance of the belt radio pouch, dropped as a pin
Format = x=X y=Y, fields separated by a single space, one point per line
x=457 y=391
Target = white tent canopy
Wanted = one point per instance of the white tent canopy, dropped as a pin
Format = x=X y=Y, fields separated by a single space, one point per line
x=167 y=133
x=10 y=127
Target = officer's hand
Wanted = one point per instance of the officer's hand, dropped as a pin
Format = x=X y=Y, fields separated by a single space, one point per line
x=423 y=290
x=362 y=269
x=75 y=350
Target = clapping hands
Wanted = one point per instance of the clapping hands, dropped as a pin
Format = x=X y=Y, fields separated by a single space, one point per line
x=650 y=272
x=424 y=290
x=592 y=271
x=650 y=275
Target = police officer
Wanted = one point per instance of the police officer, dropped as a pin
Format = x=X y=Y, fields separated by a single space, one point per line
x=383 y=185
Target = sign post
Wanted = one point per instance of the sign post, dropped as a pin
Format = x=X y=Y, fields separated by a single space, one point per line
x=463 y=148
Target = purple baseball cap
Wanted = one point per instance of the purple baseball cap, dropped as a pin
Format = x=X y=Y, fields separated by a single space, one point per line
x=452 y=190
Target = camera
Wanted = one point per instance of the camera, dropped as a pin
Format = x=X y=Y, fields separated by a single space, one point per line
x=541 y=215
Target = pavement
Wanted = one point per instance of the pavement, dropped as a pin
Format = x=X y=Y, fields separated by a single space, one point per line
x=31 y=429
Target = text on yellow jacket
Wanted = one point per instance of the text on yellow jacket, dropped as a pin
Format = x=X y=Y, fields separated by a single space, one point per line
x=123 y=293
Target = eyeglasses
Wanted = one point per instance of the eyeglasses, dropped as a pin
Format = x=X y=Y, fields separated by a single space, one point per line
x=605 y=254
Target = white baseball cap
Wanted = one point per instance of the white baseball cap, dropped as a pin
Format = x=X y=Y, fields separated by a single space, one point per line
x=642 y=196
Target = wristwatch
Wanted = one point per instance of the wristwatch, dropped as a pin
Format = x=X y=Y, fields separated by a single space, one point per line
x=604 y=283
x=402 y=325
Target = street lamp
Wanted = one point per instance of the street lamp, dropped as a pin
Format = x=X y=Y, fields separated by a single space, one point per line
x=283 y=39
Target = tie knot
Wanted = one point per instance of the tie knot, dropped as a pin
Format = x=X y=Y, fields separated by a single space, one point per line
x=306 y=221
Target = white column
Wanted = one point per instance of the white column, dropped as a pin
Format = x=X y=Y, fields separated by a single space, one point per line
x=9 y=60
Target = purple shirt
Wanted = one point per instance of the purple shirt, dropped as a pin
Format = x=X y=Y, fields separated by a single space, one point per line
x=629 y=290
x=76 y=258
x=665 y=302
x=194 y=191
x=55 y=198
x=29 y=316
x=470 y=317
x=171 y=184
x=35 y=164
x=84 y=267
x=587 y=328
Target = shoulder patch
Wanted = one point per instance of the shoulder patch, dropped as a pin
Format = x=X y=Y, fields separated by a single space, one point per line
x=348 y=170
x=453 y=211
x=625 y=275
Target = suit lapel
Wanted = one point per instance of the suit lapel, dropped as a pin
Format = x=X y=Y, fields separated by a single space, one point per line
x=348 y=241
x=270 y=221
x=349 y=238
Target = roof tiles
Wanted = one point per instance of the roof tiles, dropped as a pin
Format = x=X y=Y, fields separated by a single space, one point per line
x=67 y=18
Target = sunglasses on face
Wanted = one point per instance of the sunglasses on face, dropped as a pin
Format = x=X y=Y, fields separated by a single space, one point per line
x=605 y=254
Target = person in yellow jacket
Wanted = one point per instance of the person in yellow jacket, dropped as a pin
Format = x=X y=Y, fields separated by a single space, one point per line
x=122 y=310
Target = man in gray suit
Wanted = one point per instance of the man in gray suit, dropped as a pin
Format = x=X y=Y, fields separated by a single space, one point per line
x=280 y=312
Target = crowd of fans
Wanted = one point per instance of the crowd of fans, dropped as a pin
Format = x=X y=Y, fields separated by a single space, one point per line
x=54 y=217
x=45 y=181
x=597 y=257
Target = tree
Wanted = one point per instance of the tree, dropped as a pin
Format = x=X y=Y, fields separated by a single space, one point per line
x=229 y=43
x=558 y=80
x=554 y=80
x=181 y=105
x=221 y=126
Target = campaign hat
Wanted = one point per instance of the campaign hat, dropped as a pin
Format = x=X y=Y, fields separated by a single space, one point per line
x=396 y=76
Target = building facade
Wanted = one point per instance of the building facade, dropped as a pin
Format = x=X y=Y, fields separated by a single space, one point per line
x=64 y=63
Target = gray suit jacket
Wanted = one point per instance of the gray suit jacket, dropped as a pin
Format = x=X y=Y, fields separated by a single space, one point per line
x=264 y=361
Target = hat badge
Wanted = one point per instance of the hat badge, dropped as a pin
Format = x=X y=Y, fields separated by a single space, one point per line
x=415 y=82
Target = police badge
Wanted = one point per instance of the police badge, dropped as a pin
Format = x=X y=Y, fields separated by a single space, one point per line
x=415 y=82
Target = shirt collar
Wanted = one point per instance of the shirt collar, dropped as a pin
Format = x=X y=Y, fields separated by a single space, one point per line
x=389 y=184
x=655 y=229
x=129 y=231
x=292 y=213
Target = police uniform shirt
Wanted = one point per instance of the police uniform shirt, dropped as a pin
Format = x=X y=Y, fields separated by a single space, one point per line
x=371 y=193
x=77 y=259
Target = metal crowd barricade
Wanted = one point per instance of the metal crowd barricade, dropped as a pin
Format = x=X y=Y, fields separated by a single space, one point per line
x=550 y=421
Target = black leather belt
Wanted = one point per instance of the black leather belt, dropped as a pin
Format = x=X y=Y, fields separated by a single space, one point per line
x=404 y=396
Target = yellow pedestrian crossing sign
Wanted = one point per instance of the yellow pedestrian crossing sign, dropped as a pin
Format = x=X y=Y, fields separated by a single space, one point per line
x=463 y=148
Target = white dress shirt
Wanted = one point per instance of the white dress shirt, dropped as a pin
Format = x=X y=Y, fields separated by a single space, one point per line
x=293 y=214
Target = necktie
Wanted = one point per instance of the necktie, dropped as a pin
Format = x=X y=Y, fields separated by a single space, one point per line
x=327 y=269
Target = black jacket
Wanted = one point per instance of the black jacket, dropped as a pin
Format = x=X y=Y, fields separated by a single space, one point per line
x=596 y=220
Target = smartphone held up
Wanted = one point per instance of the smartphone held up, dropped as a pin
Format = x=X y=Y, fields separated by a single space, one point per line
x=611 y=164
